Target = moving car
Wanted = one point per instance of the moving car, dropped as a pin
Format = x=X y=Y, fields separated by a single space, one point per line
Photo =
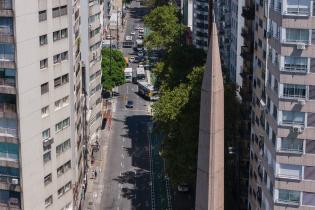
x=129 y=104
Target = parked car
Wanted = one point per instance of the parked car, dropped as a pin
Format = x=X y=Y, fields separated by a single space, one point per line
x=131 y=59
x=133 y=33
x=129 y=104
x=137 y=60
x=108 y=37
x=140 y=36
x=140 y=53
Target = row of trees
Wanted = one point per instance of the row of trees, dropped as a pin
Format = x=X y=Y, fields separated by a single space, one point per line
x=179 y=78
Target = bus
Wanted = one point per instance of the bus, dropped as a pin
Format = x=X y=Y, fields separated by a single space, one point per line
x=128 y=74
x=147 y=91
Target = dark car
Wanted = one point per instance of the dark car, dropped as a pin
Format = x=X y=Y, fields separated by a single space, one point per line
x=129 y=104
x=137 y=60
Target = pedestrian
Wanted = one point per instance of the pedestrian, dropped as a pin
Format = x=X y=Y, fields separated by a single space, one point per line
x=95 y=173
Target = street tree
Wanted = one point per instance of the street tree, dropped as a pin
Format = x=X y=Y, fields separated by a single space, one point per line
x=165 y=28
x=177 y=115
x=112 y=69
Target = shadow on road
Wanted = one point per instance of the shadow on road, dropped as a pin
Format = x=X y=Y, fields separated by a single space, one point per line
x=136 y=183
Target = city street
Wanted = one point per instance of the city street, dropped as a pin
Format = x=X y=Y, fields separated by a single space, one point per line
x=127 y=167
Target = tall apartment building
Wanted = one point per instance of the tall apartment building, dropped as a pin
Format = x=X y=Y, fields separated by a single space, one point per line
x=200 y=25
x=48 y=91
x=282 y=166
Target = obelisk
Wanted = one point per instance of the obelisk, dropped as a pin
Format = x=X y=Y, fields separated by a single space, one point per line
x=210 y=168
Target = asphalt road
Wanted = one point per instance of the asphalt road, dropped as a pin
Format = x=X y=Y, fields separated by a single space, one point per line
x=126 y=173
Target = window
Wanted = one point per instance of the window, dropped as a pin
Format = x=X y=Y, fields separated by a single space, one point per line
x=297 y=35
x=61 y=148
x=64 y=189
x=64 y=168
x=291 y=145
x=47 y=157
x=44 y=88
x=289 y=171
x=308 y=199
x=59 y=81
x=42 y=15
x=61 y=34
x=298 y=7
x=46 y=134
x=6 y=25
x=48 y=179
x=62 y=125
x=9 y=151
x=62 y=103
x=60 y=57
x=45 y=111
x=48 y=201
x=294 y=91
x=288 y=196
x=67 y=207
x=43 y=63
x=296 y=118
x=43 y=40
x=7 y=52
x=59 y=11
x=297 y=64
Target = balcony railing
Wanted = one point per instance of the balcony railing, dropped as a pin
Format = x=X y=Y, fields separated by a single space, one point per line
x=289 y=176
x=11 y=180
x=298 y=150
x=295 y=68
x=8 y=131
x=7 y=82
x=288 y=202
x=297 y=11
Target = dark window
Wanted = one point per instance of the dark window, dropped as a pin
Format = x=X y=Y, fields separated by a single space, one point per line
x=44 y=88
x=43 y=40
x=42 y=15
x=48 y=179
x=43 y=63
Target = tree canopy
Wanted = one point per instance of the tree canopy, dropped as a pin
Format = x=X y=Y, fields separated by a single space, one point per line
x=113 y=76
x=165 y=27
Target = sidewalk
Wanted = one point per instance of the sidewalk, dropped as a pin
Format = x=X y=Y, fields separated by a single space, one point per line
x=95 y=185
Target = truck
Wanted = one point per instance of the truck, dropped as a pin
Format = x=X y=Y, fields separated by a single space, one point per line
x=128 y=74
x=140 y=73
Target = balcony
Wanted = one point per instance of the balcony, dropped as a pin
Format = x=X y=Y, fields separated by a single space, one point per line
x=7 y=110
x=6 y=8
x=10 y=183
x=7 y=85
x=248 y=13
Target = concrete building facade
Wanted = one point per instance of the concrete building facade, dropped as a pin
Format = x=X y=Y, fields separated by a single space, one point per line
x=282 y=167
x=46 y=98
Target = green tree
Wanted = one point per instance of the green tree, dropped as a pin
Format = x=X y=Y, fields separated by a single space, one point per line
x=113 y=76
x=177 y=115
x=165 y=27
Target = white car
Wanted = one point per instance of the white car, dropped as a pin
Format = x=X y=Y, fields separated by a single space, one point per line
x=140 y=37
x=133 y=33
x=131 y=59
x=128 y=38
x=140 y=66
x=109 y=37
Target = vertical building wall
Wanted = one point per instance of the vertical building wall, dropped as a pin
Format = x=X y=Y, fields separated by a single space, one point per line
x=200 y=24
x=282 y=162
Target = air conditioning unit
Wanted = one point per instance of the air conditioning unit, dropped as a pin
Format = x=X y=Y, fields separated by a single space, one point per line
x=15 y=181
x=301 y=101
x=297 y=129
x=300 y=46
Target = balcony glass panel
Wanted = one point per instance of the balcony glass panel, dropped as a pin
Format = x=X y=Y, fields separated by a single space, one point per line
x=298 y=7
x=11 y=197
x=289 y=196
x=8 y=126
x=6 y=25
x=295 y=64
x=292 y=145
x=7 y=52
x=297 y=35
x=5 y=4
x=294 y=91
x=9 y=171
x=293 y=118
x=9 y=151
